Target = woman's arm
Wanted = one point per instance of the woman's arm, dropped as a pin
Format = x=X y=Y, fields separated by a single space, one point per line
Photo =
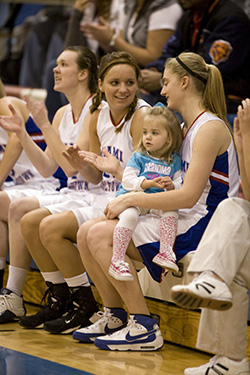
x=209 y=142
x=242 y=139
x=103 y=34
x=55 y=146
x=11 y=154
x=41 y=160
x=85 y=161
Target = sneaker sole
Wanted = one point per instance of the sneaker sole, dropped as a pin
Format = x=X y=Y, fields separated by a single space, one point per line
x=85 y=338
x=168 y=266
x=39 y=326
x=88 y=337
x=141 y=347
x=121 y=278
x=191 y=301
x=65 y=332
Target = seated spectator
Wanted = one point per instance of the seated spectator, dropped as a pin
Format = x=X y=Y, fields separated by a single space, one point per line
x=145 y=26
x=44 y=42
x=16 y=20
x=222 y=264
x=206 y=28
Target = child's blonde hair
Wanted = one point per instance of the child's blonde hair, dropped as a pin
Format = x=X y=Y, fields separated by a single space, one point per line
x=172 y=125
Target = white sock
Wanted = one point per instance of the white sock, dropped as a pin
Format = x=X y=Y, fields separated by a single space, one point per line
x=16 y=279
x=2 y=263
x=79 y=280
x=53 y=277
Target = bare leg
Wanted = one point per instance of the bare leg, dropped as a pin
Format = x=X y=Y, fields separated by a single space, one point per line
x=19 y=254
x=94 y=241
x=58 y=235
x=4 y=204
x=30 y=225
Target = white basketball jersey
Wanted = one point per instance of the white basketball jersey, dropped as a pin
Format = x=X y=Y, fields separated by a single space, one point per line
x=224 y=178
x=69 y=131
x=118 y=144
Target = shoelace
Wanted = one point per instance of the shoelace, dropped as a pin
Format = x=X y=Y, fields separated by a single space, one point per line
x=130 y=325
x=104 y=316
x=5 y=301
x=122 y=265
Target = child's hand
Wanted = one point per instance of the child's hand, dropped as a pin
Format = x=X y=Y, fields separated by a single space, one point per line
x=167 y=183
x=158 y=182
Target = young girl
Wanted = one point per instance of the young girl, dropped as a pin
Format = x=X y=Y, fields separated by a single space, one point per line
x=154 y=167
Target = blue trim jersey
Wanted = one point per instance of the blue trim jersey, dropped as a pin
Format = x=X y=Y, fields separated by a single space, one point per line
x=222 y=183
x=118 y=144
x=143 y=166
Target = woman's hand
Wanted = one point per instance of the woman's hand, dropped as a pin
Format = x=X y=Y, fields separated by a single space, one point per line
x=100 y=31
x=107 y=163
x=12 y=123
x=116 y=206
x=72 y=154
x=39 y=112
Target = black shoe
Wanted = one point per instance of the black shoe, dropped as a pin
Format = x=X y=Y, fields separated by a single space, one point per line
x=58 y=295
x=1 y=278
x=83 y=307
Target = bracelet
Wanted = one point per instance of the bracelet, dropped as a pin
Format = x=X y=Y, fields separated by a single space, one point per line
x=113 y=38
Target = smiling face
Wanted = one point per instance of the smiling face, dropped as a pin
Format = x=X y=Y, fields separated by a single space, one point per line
x=120 y=86
x=155 y=135
x=66 y=72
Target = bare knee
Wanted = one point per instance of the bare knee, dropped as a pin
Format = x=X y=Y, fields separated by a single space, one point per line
x=58 y=227
x=30 y=222
x=47 y=230
x=19 y=207
x=100 y=236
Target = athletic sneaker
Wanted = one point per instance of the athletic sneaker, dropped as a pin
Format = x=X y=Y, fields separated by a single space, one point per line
x=58 y=295
x=11 y=306
x=81 y=313
x=222 y=366
x=120 y=271
x=142 y=333
x=204 y=291
x=111 y=320
x=166 y=260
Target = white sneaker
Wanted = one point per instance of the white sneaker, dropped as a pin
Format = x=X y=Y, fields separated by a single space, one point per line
x=111 y=320
x=219 y=365
x=204 y=291
x=141 y=334
x=11 y=306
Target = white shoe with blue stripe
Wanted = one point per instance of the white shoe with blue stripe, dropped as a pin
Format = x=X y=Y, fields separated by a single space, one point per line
x=111 y=320
x=142 y=333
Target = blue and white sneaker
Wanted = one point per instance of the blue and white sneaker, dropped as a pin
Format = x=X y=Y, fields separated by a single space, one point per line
x=142 y=333
x=111 y=320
